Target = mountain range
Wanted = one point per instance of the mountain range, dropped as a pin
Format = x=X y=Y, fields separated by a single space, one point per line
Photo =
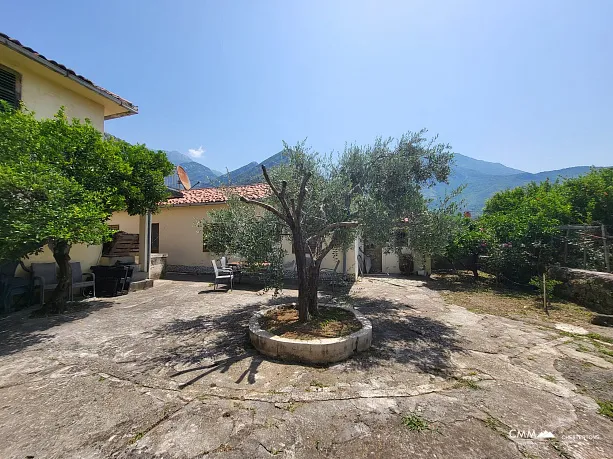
x=481 y=178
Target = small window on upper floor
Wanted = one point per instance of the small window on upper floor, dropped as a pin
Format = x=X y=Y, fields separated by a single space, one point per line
x=10 y=86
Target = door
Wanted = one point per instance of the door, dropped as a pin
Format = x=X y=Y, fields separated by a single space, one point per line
x=376 y=254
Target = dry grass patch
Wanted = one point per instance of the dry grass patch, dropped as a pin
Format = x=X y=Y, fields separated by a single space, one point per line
x=330 y=323
x=485 y=296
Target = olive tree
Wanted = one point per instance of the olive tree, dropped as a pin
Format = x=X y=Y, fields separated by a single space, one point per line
x=61 y=180
x=324 y=201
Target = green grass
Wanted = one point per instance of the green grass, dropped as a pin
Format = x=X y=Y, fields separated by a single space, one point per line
x=493 y=423
x=415 y=422
x=468 y=383
x=599 y=337
x=582 y=348
x=602 y=349
x=606 y=408
x=136 y=437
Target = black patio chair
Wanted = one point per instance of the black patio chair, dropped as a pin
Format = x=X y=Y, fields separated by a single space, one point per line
x=11 y=286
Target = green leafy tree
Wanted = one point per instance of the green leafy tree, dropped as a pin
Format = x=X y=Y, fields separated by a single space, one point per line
x=244 y=232
x=591 y=197
x=61 y=180
x=519 y=231
x=524 y=222
x=432 y=229
x=322 y=202
x=470 y=242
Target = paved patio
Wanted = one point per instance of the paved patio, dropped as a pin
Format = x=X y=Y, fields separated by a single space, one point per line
x=169 y=373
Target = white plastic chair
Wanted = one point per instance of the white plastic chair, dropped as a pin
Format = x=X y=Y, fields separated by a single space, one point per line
x=222 y=274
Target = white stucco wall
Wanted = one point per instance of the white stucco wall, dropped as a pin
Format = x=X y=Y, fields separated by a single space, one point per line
x=87 y=255
x=180 y=239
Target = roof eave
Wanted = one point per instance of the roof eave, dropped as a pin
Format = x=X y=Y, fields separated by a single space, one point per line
x=190 y=204
x=131 y=109
x=129 y=112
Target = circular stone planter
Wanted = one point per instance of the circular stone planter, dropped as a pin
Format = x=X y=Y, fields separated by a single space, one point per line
x=322 y=350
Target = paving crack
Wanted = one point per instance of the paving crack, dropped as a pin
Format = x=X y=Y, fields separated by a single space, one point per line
x=142 y=433
x=300 y=398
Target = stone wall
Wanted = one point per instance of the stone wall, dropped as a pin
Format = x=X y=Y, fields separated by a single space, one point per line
x=158 y=265
x=591 y=289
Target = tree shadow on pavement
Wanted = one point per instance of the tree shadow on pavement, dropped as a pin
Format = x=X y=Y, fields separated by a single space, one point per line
x=213 y=343
x=210 y=343
x=19 y=330
x=401 y=335
x=463 y=281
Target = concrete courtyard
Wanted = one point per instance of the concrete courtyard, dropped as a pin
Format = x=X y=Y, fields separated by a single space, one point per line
x=169 y=373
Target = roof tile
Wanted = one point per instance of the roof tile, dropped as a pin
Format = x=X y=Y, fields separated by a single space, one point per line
x=197 y=196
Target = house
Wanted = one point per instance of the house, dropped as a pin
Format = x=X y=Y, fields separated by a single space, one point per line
x=175 y=234
x=43 y=85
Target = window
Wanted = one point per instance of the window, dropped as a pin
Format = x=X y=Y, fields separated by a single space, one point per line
x=10 y=86
x=155 y=238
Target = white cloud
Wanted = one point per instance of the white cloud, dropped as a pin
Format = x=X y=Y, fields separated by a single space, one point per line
x=196 y=152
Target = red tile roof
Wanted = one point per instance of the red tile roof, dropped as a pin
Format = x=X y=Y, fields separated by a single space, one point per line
x=29 y=52
x=198 y=196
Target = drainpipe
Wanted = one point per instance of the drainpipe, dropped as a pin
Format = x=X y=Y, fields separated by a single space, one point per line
x=144 y=242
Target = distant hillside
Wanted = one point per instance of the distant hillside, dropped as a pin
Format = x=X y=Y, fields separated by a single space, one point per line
x=485 y=167
x=177 y=158
x=197 y=172
x=237 y=173
x=481 y=186
x=482 y=178
x=252 y=172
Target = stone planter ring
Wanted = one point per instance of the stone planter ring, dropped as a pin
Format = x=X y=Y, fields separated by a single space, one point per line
x=320 y=350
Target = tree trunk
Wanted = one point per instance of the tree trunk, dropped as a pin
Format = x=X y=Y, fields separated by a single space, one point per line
x=61 y=254
x=312 y=281
x=301 y=273
x=475 y=267
x=308 y=277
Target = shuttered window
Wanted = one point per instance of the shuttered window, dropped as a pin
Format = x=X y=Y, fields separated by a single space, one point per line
x=10 y=86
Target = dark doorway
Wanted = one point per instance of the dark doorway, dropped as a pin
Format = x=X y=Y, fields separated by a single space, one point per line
x=376 y=254
x=155 y=238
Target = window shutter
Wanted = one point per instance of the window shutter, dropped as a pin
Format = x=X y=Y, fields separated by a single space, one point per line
x=9 y=87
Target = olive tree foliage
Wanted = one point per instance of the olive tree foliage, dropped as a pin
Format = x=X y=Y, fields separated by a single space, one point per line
x=244 y=232
x=324 y=201
x=433 y=228
x=61 y=180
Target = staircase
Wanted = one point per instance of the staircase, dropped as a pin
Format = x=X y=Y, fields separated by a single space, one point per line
x=123 y=245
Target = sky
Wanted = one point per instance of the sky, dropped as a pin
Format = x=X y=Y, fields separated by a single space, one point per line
x=525 y=83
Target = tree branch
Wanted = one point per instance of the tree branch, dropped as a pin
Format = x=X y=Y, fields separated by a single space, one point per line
x=332 y=227
x=302 y=194
x=279 y=194
x=268 y=207
x=326 y=250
